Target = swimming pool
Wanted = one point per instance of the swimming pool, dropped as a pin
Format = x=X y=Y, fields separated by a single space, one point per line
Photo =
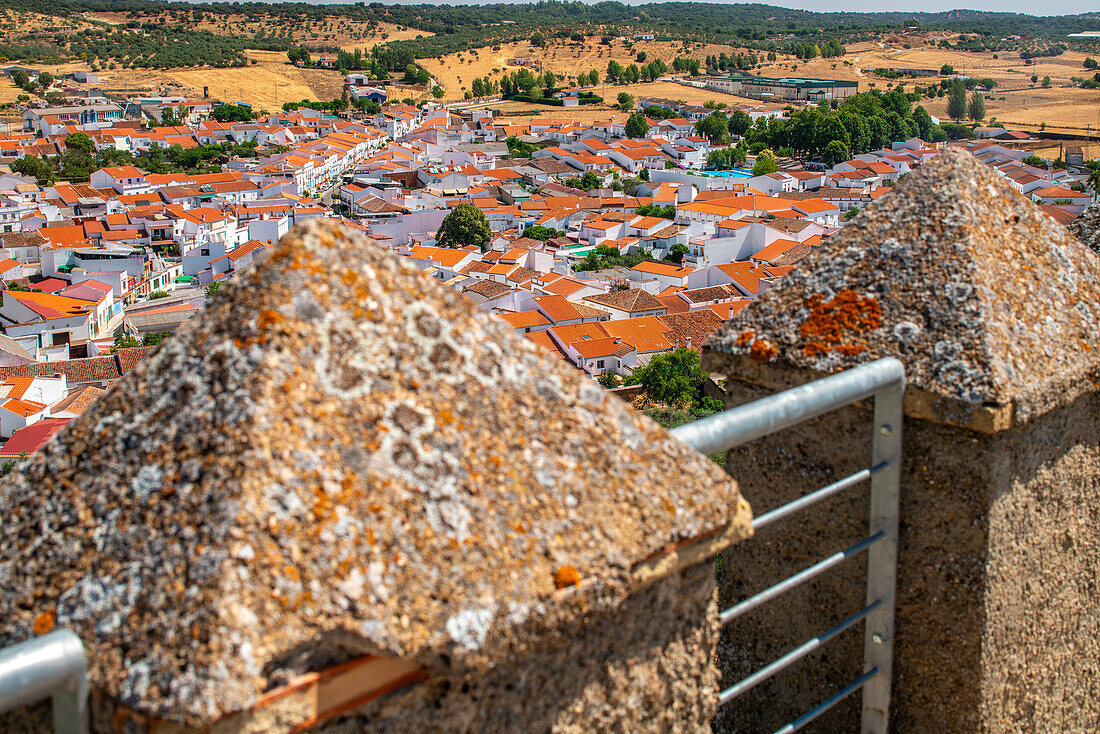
x=732 y=173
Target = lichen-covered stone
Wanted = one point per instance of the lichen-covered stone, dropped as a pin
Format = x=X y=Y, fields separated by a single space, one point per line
x=986 y=299
x=1087 y=226
x=338 y=449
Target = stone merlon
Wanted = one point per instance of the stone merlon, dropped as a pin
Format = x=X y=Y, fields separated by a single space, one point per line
x=993 y=307
x=342 y=457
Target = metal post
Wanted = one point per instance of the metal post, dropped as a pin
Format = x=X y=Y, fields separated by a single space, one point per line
x=882 y=557
x=51 y=665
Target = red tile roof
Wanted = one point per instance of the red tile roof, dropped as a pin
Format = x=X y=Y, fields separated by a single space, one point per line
x=30 y=439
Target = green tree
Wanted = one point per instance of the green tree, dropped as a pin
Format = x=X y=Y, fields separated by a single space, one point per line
x=19 y=78
x=1094 y=174
x=956 y=101
x=154 y=338
x=739 y=123
x=715 y=127
x=975 y=107
x=924 y=123
x=765 y=164
x=45 y=79
x=674 y=378
x=1091 y=64
x=835 y=152
x=676 y=254
x=1046 y=81
x=614 y=71
x=211 y=290
x=625 y=101
x=636 y=126
x=232 y=113
x=539 y=40
x=464 y=226
x=157 y=294
x=43 y=169
x=538 y=232
x=607 y=379
x=124 y=341
x=81 y=142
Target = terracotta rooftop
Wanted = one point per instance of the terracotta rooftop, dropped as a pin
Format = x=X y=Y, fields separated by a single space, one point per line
x=945 y=273
x=76 y=371
x=417 y=497
x=632 y=300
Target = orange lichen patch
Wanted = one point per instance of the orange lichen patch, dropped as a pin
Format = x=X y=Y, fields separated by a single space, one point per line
x=566 y=576
x=815 y=348
x=745 y=338
x=831 y=322
x=269 y=317
x=446 y=417
x=45 y=621
x=762 y=351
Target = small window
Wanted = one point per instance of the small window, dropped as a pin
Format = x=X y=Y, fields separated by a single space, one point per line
x=599 y=364
x=60 y=337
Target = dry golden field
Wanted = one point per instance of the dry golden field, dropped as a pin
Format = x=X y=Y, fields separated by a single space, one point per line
x=271 y=81
x=565 y=58
x=347 y=34
x=267 y=84
x=1016 y=101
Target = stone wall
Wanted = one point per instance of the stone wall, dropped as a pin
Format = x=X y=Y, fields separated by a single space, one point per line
x=999 y=556
x=644 y=666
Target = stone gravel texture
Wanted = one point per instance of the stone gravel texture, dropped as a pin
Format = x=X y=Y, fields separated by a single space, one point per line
x=984 y=298
x=339 y=456
x=1087 y=226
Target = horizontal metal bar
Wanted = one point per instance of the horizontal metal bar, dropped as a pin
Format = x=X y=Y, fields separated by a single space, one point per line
x=745 y=423
x=829 y=702
x=798 y=579
x=794 y=655
x=814 y=497
x=51 y=665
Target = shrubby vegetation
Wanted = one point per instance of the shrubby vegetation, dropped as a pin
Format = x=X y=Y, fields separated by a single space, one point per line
x=605 y=256
x=675 y=380
x=161 y=34
x=864 y=122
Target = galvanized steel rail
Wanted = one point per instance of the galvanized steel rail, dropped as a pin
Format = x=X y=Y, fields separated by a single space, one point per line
x=883 y=380
x=50 y=666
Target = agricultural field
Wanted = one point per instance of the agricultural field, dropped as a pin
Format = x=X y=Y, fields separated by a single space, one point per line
x=565 y=58
x=267 y=84
x=342 y=32
x=1016 y=101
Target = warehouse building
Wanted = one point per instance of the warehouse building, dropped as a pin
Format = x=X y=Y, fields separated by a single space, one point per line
x=787 y=89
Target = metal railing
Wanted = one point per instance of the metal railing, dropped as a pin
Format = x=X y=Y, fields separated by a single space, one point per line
x=50 y=666
x=883 y=380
